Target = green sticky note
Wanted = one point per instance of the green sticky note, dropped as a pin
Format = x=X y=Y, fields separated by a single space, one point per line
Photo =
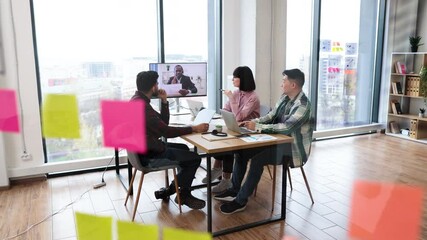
x=179 y=234
x=60 y=116
x=131 y=231
x=91 y=227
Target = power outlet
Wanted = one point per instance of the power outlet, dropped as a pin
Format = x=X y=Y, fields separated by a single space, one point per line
x=26 y=157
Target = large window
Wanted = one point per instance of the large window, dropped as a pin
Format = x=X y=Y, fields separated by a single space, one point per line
x=94 y=49
x=345 y=34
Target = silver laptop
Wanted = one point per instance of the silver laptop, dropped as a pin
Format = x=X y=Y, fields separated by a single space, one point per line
x=194 y=106
x=231 y=123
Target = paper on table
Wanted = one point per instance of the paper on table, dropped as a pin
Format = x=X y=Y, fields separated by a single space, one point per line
x=204 y=116
x=258 y=138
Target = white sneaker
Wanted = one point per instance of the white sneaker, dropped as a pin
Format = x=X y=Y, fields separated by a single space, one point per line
x=222 y=186
x=215 y=173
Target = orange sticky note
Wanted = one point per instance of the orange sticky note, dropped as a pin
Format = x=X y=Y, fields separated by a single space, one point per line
x=124 y=125
x=383 y=211
x=9 y=121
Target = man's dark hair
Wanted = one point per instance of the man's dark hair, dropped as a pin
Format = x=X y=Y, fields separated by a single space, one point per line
x=295 y=75
x=146 y=80
x=247 y=82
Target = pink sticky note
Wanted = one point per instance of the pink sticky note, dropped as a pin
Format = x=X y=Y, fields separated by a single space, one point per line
x=385 y=211
x=9 y=121
x=124 y=125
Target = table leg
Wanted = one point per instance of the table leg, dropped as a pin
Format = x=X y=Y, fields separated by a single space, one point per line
x=208 y=166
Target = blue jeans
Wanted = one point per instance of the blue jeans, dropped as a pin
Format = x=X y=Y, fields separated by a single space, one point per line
x=188 y=162
x=259 y=157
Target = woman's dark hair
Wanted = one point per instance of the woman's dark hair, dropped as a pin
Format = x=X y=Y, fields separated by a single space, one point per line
x=247 y=82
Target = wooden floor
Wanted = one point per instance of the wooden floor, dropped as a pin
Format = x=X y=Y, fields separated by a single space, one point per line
x=331 y=170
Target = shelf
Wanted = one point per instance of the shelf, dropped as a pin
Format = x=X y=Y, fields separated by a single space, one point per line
x=398 y=135
x=407 y=74
x=403 y=95
x=408 y=116
x=410 y=83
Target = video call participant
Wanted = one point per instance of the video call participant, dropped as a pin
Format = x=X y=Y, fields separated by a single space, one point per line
x=156 y=127
x=179 y=78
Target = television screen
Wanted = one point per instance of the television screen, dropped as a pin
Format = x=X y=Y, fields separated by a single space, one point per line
x=182 y=79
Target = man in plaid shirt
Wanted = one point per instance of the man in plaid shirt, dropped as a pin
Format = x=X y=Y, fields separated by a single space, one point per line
x=290 y=116
x=156 y=127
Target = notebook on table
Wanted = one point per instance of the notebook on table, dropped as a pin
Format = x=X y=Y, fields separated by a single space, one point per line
x=232 y=125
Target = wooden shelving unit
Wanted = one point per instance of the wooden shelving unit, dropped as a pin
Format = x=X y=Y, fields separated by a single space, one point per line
x=409 y=99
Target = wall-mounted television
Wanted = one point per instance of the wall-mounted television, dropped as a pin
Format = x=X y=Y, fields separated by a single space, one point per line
x=187 y=79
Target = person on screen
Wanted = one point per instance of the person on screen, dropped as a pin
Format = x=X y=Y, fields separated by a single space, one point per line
x=290 y=116
x=179 y=78
x=156 y=127
x=245 y=105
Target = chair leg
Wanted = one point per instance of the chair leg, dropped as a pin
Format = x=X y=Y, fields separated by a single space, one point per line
x=166 y=178
x=289 y=177
x=306 y=183
x=269 y=171
x=137 y=197
x=178 y=195
x=130 y=186
x=273 y=188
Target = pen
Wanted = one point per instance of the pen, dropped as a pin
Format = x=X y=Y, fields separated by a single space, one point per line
x=222 y=90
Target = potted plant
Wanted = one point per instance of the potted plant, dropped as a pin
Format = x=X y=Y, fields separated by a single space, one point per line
x=421 y=113
x=415 y=42
x=423 y=84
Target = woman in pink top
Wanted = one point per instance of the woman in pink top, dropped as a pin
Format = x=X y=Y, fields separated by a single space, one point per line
x=245 y=105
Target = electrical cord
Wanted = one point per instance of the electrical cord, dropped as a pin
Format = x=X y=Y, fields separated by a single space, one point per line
x=49 y=216
x=24 y=144
x=66 y=206
x=103 y=183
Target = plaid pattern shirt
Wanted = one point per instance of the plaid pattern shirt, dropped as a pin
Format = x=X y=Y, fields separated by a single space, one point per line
x=156 y=125
x=292 y=118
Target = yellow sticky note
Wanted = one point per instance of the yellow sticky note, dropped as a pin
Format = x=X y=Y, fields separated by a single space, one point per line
x=131 y=231
x=60 y=116
x=179 y=234
x=91 y=227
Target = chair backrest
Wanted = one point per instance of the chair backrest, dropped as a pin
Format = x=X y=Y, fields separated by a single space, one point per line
x=145 y=164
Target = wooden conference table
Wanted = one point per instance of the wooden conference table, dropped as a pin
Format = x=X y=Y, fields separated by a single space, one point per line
x=211 y=148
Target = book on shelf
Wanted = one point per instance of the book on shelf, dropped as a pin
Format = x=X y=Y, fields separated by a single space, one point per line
x=400 y=67
x=394 y=87
x=403 y=68
x=395 y=107
x=399 y=88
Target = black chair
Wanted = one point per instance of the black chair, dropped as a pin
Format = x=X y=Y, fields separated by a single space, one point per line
x=147 y=165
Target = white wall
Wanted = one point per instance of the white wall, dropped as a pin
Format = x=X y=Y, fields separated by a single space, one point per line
x=254 y=35
x=401 y=23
